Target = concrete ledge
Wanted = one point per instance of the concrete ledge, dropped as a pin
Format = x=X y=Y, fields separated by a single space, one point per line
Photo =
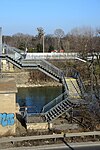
x=39 y=126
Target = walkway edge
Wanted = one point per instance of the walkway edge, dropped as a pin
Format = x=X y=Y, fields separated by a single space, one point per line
x=56 y=146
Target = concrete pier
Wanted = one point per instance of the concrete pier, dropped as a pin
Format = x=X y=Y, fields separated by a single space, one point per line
x=0 y=46
x=8 y=92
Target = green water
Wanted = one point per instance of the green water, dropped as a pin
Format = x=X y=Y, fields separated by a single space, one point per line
x=36 y=97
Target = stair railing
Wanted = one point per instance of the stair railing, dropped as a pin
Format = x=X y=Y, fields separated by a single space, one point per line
x=13 y=61
x=54 y=102
x=12 y=48
x=76 y=88
x=51 y=68
x=12 y=52
x=80 y=83
x=12 y=55
x=71 y=72
x=65 y=84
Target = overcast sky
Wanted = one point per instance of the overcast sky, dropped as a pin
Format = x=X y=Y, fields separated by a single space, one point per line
x=26 y=15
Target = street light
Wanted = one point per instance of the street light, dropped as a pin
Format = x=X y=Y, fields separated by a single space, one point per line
x=43 y=42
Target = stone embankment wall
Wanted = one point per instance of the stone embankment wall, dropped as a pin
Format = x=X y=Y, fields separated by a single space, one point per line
x=21 y=78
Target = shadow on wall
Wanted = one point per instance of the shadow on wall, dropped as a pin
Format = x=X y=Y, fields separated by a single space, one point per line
x=21 y=120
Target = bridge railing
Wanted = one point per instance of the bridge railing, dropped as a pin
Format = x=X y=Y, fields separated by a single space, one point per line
x=54 y=102
x=51 y=56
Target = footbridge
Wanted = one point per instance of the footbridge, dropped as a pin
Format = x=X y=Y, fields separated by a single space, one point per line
x=74 y=91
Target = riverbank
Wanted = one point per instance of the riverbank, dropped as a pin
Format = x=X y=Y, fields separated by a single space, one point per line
x=24 y=79
x=49 y=84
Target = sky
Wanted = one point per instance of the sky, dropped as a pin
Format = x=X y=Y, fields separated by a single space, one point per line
x=25 y=16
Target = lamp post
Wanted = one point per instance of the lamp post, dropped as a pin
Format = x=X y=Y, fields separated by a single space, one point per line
x=43 y=42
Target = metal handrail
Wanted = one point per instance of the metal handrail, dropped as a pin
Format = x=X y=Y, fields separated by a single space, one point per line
x=54 y=102
x=12 y=48
x=51 y=68
x=15 y=62
x=76 y=88
x=12 y=52
x=74 y=73
x=81 y=84
x=65 y=84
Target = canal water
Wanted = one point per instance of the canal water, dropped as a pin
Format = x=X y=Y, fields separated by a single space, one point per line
x=34 y=98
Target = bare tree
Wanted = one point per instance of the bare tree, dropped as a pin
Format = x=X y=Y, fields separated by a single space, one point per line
x=21 y=41
x=59 y=33
x=81 y=39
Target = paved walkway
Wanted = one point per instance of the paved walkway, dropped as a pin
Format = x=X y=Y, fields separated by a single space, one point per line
x=58 y=146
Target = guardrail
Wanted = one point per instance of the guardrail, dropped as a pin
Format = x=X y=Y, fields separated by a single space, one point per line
x=51 y=136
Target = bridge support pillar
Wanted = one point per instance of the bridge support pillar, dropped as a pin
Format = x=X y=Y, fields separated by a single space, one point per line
x=0 y=47
x=8 y=107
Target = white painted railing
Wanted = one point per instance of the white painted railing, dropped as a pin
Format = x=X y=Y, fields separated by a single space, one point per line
x=51 y=55
x=58 y=56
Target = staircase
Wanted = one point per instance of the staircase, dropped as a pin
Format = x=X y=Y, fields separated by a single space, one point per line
x=16 y=63
x=73 y=85
x=74 y=90
x=60 y=105
x=12 y=55
x=58 y=110
x=57 y=107
x=50 y=70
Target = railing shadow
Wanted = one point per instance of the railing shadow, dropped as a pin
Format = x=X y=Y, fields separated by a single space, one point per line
x=67 y=144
